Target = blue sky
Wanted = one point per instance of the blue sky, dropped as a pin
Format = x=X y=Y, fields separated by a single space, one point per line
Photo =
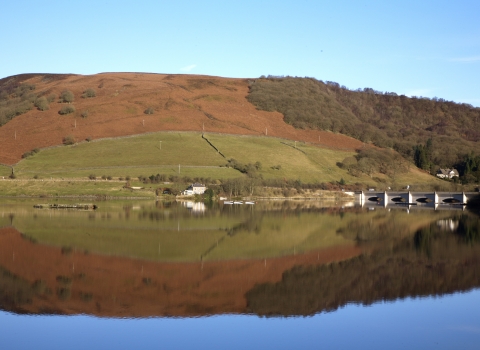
x=422 y=48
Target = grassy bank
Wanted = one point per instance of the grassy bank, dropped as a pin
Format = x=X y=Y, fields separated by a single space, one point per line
x=54 y=188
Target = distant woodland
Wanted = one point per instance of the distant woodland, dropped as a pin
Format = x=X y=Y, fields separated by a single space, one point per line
x=432 y=133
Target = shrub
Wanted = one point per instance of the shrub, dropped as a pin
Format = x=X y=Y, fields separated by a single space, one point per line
x=67 y=110
x=51 y=98
x=69 y=140
x=67 y=96
x=30 y=153
x=104 y=177
x=92 y=177
x=84 y=114
x=89 y=93
x=149 y=110
x=42 y=104
x=109 y=177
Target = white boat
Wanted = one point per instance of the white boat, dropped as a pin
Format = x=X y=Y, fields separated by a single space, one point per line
x=228 y=202
x=237 y=202
x=250 y=203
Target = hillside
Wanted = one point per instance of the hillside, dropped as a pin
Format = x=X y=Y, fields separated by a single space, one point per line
x=230 y=162
x=432 y=132
x=38 y=111
x=178 y=102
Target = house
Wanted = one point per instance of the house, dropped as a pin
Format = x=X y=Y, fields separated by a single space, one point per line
x=447 y=173
x=195 y=188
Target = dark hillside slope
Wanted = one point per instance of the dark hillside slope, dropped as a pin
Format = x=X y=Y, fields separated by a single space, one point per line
x=385 y=119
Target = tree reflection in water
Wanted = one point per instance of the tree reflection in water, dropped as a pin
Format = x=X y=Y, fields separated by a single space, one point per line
x=435 y=261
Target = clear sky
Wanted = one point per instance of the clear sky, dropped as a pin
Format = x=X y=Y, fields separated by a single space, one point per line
x=418 y=48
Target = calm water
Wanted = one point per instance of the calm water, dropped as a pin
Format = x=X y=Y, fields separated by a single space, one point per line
x=271 y=275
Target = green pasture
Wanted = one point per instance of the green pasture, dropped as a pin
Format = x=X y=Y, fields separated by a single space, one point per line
x=53 y=188
x=5 y=171
x=124 y=156
x=306 y=162
x=188 y=154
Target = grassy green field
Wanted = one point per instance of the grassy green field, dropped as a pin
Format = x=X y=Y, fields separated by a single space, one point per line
x=53 y=188
x=181 y=154
x=140 y=230
x=5 y=171
x=305 y=162
x=124 y=156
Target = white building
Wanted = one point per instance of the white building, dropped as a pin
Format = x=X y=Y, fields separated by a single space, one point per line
x=195 y=188
x=447 y=173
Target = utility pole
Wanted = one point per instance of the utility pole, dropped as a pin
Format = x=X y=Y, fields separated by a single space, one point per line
x=179 y=168
x=160 y=144
x=266 y=132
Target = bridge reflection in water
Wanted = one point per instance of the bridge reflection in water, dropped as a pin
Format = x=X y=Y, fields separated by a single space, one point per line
x=414 y=200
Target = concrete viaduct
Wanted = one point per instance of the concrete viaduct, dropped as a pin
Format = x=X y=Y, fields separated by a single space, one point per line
x=434 y=200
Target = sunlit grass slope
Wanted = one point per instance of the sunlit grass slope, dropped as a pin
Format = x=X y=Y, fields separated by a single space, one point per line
x=131 y=154
x=297 y=160
x=164 y=152
x=5 y=171
x=44 y=188
x=188 y=154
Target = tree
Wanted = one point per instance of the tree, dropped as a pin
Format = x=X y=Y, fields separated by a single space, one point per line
x=420 y=157
x=67 y=96
x=89 y=93
x=69 y=140
x=67 y=110
x=42 y=104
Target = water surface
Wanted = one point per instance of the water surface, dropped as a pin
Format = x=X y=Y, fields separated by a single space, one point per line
x=271 y=275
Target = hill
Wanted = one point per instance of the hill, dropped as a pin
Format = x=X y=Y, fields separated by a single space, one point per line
x=433 y=133
x=232 y=162
x=38 y=111
x=178 y=102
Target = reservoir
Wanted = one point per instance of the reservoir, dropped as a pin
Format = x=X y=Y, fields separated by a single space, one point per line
x=276 y=274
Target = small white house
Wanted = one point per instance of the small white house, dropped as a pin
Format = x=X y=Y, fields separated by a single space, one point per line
x=195 y=188
x=447 y=173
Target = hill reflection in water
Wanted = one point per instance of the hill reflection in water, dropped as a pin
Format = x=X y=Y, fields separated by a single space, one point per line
x=273 y=259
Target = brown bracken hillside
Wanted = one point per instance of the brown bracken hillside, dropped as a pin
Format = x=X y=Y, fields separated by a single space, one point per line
x=179 y=103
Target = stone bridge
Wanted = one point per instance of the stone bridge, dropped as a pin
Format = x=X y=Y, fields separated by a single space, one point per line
x=434 y=200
